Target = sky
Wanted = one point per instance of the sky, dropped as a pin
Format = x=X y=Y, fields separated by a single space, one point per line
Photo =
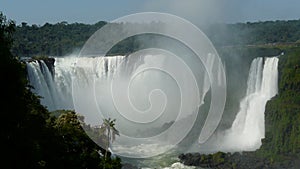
x=197 y=11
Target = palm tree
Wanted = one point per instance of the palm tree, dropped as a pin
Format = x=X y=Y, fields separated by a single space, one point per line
x=109 y=128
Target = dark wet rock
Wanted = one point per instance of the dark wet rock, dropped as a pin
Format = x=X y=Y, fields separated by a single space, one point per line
x=224 y=160
x=50 y=64
x=245 y=160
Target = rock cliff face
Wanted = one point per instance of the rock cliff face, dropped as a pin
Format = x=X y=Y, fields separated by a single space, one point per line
x=50 y=64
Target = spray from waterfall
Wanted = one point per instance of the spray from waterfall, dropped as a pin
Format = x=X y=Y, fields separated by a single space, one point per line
x=248 y=128
x=246 y=131
x=55 y=88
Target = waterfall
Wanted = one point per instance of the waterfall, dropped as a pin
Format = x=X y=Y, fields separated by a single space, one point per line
x=56 y=87
x=248 y=127
x=161 y=95
x=56 y=90
x=40 y=78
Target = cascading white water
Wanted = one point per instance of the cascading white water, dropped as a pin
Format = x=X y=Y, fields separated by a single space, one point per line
x=56 y=91
x=39 y=76
x=248 y=127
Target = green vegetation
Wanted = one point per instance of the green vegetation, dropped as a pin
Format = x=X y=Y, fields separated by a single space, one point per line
x=51 y=39
x=32 y=137
x=269 y=32
x=283 y=111
x=63 y=38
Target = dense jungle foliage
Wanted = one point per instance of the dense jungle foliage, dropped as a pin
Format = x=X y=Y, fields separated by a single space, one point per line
x=63 y=38
x=31 y=136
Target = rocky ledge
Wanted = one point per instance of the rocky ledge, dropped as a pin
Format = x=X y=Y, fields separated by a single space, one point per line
x=245 y=160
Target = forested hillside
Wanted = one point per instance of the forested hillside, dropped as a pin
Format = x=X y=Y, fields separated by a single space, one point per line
x=256 y=33
x=51 y=39
x=63 y=38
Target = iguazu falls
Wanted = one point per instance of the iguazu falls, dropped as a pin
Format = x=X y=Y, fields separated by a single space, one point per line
x=150 y=85
x=53 y=82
